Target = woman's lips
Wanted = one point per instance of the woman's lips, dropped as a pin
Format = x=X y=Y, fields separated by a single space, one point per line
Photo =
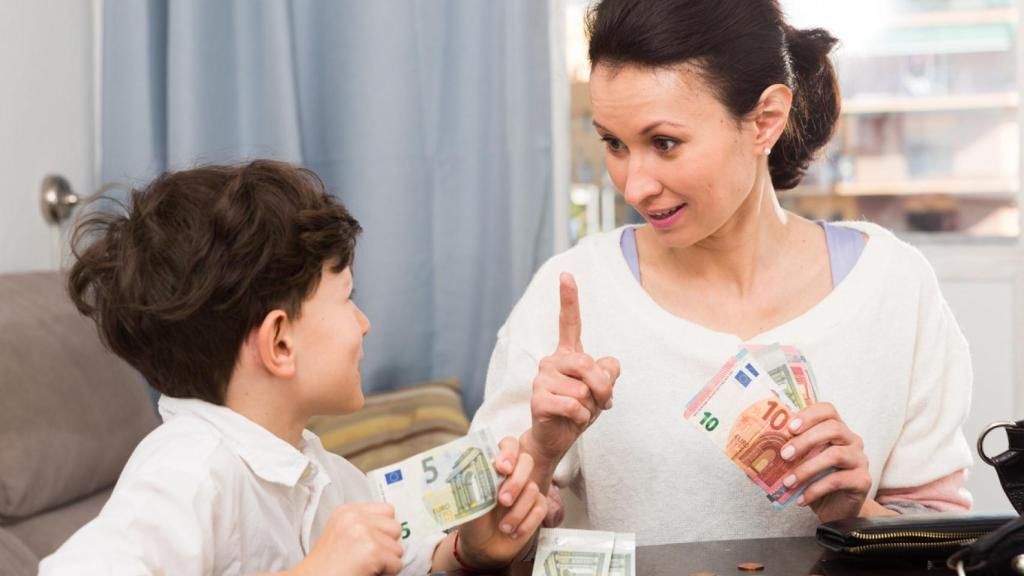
x=665 y=218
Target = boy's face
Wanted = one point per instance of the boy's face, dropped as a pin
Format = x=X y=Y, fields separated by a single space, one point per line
x=329 y=344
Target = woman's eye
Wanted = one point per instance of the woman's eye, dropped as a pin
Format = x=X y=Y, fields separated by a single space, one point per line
x=613 y=144
x=665 y=144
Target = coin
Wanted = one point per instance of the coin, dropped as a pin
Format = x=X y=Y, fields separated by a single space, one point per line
x=750 y=566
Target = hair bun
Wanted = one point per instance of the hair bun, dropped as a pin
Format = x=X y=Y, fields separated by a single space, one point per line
x=816 y=105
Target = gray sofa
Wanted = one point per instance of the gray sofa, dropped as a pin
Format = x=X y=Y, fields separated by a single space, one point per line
x=70 y=415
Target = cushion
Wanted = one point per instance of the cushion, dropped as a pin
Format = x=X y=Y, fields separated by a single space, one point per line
x=15 y=558
x=395 y=425
x=72 y=412
x=46 y=531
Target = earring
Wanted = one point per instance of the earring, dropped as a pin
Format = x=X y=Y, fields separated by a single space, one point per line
x=767 y=151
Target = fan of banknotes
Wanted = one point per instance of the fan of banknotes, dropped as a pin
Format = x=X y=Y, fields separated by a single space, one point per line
x=746 y=408
x=562 y=552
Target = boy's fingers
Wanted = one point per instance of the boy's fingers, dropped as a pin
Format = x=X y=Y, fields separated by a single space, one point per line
x=556 y=508
x=514 y=484
x=569 y=324
x=390 y=559
x=510 y=523
x=375 y=509
x=508 y=453
x=534 y=518
x=389 y=527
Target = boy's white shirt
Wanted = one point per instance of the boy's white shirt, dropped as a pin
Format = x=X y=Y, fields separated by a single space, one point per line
x=211 y=492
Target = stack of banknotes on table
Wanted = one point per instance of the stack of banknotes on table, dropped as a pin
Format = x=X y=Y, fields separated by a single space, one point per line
x=746 y=408
x=564 y=552
x=441 y=488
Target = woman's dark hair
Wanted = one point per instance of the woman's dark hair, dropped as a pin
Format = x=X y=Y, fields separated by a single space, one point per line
x=200 y=258
x=740 y=47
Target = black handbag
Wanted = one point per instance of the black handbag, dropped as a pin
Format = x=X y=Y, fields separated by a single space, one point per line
x=1000 y=553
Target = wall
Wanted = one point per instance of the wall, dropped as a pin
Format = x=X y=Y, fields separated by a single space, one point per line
x=46 y=120
x=984 y=284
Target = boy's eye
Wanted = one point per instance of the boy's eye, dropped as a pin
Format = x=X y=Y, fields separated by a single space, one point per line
x=613 y=144
x=665 y=144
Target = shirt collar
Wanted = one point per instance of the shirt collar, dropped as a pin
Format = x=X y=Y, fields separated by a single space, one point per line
x=267 y=455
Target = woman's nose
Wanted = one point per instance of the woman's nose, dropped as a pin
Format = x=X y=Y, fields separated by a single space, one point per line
x=639 y=185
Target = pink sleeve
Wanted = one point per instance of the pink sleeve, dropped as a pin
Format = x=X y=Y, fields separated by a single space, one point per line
x=947 y=494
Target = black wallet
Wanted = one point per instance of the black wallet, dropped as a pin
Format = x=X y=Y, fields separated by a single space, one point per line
x=932 y=536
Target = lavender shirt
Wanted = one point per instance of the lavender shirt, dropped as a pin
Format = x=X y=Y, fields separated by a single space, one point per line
x=845 y=246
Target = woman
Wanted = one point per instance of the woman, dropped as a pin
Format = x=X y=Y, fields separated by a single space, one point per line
x=707 y=109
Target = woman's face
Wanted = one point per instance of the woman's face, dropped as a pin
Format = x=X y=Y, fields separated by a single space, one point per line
x=673 y=150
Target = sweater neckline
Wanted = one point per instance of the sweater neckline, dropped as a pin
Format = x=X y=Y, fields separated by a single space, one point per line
x=814 y=323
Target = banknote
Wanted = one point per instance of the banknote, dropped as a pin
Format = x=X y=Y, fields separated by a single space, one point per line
x=744 y=412
x=441 y=488
x=776 y=363
x=802 y=372
x=567 y=552
x=623 y=555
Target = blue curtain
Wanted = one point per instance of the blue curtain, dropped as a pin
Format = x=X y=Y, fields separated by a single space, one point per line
x=430 y=120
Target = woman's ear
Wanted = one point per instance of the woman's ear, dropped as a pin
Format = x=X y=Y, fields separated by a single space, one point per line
x=275 y=346
x=771 y=115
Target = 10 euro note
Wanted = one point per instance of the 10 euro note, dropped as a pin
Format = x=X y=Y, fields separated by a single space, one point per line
x=441 y=488
x=743 y=412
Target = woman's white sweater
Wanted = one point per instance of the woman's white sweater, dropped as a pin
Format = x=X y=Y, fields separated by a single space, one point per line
x=884 y=345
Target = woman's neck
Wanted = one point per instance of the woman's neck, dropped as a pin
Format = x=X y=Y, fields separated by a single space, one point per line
x=736 y=255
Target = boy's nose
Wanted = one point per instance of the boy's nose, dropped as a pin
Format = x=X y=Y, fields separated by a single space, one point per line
x=364 y=322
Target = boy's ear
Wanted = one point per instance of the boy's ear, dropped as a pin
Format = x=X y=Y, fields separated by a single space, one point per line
x=275 y=346
x=771 y=115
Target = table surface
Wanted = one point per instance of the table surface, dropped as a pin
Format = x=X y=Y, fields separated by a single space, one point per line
x=780 y=556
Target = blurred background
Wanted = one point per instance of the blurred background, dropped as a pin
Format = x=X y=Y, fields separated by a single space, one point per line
x=459 y=133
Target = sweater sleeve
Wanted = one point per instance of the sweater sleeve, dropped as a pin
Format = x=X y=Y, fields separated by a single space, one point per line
x=931 y=444
x=507 y=396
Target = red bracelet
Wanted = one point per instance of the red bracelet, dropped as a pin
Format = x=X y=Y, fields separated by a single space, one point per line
x=462 y=565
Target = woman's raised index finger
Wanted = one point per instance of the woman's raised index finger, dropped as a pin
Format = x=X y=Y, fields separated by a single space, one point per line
x=569 y=325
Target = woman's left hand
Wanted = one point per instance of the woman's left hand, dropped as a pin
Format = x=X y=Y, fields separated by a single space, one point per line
x=498 y=537
x=842 y=493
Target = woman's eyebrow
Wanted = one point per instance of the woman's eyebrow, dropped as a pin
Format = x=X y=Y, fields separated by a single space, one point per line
x=647 y=129
x=650 y=127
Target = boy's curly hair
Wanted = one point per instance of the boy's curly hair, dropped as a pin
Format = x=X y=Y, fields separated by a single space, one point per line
x=198 y=260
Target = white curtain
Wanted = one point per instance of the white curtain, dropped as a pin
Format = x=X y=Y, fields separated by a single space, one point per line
x=430 y=119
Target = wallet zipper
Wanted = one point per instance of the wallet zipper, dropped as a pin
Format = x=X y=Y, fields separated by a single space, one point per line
x=939 y=540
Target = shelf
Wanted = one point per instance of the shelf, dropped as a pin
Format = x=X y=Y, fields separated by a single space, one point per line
x=959 y=38
x=978 y=187
x=860 y=105
x=932 y=19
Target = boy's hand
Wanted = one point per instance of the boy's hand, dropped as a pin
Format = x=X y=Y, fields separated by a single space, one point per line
x=359 y=540
x=496 y=538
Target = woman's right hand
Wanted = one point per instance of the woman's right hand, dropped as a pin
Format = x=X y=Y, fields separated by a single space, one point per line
x=571 y=388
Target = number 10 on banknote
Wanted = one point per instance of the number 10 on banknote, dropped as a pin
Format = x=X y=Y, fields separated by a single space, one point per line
x=746 y=414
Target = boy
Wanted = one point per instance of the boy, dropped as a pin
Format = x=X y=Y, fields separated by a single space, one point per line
x=229 y=289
